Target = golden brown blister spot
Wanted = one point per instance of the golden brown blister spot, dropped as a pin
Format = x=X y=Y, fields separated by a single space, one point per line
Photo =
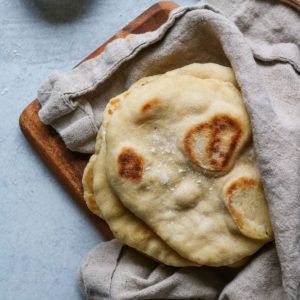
x=88 y=191
x=242 y=183
x=218 y=150
x=149 y=105
x=246 y=204
x=115 y=101
x=130 y=164
x=92 y=205
x=110 y=111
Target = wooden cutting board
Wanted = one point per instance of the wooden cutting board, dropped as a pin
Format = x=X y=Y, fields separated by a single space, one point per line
x=68 y=166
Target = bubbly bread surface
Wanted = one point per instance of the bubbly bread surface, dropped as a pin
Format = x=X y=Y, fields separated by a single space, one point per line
x=125 y=226
x=175 y=174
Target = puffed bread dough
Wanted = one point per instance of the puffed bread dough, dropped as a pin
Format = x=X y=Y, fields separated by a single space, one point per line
x=125 y=226
x=186 y=195
x=168 y=150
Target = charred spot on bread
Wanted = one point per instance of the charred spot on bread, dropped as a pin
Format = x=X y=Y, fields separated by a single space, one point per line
x=241 y=183
x=149 y=105
x=115 y=101
x=130 y=164
x=222 y=134
x=250 y=213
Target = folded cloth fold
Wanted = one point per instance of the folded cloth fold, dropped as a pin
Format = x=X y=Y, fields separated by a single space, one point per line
x=264 y=54
x=113 y=271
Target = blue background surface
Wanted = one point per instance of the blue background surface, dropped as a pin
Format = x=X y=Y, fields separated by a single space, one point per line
x=43 y=234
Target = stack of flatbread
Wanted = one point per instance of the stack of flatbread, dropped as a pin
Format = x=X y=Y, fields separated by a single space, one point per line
x=174 y=172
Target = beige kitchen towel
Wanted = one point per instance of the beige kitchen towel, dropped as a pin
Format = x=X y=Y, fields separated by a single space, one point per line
x=260 y=41
x=114 y=271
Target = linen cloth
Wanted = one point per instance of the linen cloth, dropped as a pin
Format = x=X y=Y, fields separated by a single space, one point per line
x=114 y=271
x=260 y=41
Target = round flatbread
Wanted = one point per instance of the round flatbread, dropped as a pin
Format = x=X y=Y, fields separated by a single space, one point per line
x=101 y=200
x=171 y=148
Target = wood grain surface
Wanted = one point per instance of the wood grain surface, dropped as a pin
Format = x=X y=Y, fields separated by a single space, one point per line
x=293 y=3
x=68 y=166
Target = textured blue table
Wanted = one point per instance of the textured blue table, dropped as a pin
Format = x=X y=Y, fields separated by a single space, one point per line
x=43 y=235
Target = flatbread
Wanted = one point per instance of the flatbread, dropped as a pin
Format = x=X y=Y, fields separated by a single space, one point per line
x=171 y=149
x=133 y=231
x=124 y=225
